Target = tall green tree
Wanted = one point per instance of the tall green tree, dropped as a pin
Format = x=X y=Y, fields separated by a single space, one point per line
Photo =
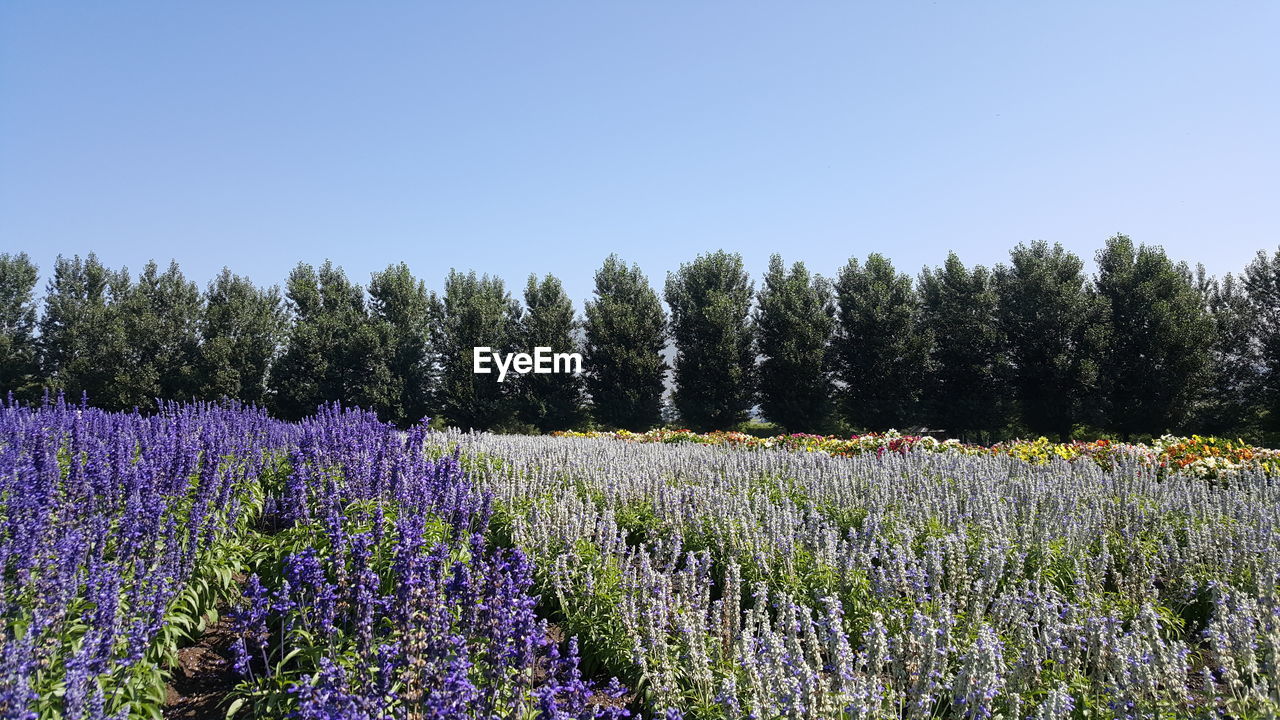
x=333 y=353
x=552 y=401
x=966 y=388
x=83 y=344
x=1230 y=404
x=710 y=301
x=474 y=312
x=626 y=332
x=240 y=336
x=1262 y=287
x=400 y=307
x=297 y=379
x=794 y=321
x=19 y=359
x=161 y=318
x=1157 y=357
x=881 y=347
x=1053 y=327
x=358 y=373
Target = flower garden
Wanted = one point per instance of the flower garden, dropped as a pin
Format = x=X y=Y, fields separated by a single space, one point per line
x=356 y=572
x=362 y=572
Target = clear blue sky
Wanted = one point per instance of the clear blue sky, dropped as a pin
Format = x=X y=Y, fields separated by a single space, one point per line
x=512 y=138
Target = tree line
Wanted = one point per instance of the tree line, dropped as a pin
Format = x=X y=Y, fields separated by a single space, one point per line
x=1034 y=346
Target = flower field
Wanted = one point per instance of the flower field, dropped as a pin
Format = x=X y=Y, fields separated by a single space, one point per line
x=362 y=572
x=356 y=571
x=933 y=580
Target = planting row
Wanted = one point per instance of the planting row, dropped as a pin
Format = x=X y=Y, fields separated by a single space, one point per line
x=113 y=547
x=1206 y=457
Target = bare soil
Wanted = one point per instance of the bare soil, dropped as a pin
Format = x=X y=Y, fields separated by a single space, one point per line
x=204 y=676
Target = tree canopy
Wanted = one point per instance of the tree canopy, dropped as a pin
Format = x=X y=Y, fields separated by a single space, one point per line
x=710 y=301
x=794 y=320
x=625 y=334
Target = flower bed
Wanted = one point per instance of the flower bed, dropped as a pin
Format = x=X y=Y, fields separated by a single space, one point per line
x=1206 y=457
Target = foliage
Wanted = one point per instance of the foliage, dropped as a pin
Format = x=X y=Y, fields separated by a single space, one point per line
x=19 y=360
x=881 y=348
x=241 y=332
x=400 y=310
x=473 y=312
x=1053 y=328
x=83 y=343
x=551 y=401
x=1145 y=348
x=1262 y=286
x=793 y=323
x=625 y=334
x=161 y=319
x=967 y=387
x=1229 y=403
x=715 y=361
x=334 y=350
x=1159 y=339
